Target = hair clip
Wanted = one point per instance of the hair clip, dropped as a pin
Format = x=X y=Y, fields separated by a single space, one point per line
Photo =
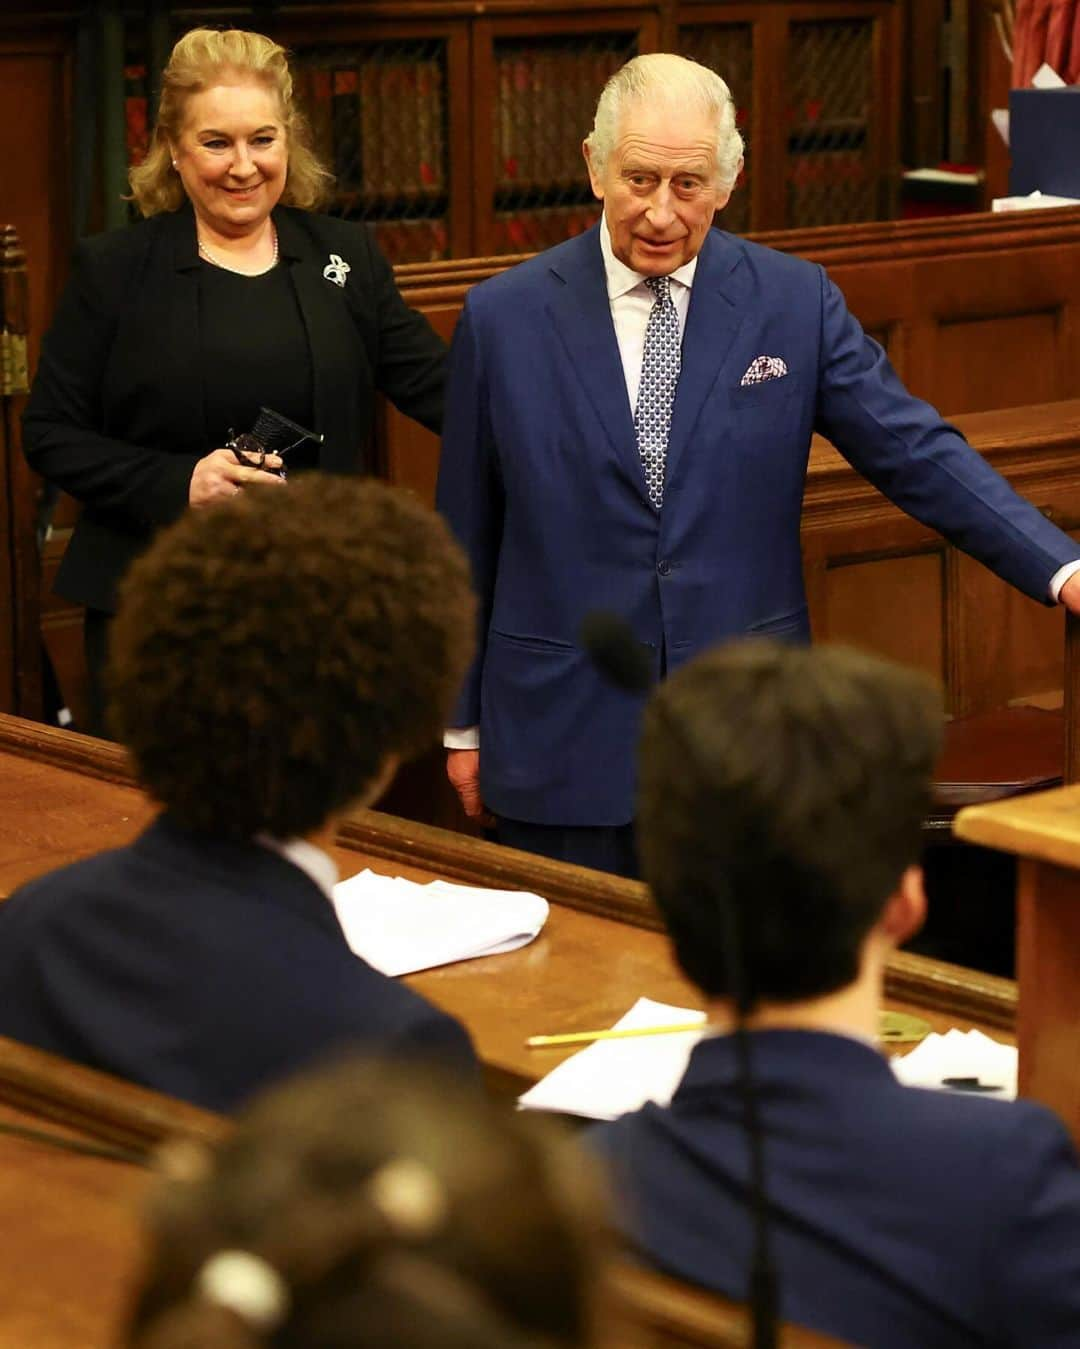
x=182 y=1161
x=246 y=1285
x=410 y=1197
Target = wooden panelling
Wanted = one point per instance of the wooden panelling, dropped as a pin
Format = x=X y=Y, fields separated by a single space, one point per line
x=998 y=646
x=894 y=606
x=35 y=74
x=35 y=77
x=969 y=361
x=1042 y=830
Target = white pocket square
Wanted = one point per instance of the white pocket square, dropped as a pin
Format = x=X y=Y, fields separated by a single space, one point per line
x=762 y=368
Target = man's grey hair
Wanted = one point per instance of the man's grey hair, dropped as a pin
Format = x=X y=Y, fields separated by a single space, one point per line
x=664 y=78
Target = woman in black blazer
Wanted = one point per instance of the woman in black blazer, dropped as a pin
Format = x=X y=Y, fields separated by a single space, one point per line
x=232 y=294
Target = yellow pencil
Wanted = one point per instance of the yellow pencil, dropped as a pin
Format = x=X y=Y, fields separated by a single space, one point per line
x=580 y=1037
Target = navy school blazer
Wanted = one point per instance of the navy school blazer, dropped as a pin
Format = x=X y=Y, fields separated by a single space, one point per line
x=901 y=1218
x=116 y=417
x=202 y=968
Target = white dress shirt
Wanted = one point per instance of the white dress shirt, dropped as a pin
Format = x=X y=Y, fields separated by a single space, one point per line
x=319 y=865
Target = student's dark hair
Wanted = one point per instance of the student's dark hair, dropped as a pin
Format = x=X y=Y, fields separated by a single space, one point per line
x=394 y=1209
x=790 y=783
x=269 y=653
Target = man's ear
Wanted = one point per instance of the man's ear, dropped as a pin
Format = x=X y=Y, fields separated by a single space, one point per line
x=905 y=910
x=723 y=194
x=594 y=175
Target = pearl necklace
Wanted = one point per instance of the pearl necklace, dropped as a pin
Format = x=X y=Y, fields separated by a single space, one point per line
x=217 y=262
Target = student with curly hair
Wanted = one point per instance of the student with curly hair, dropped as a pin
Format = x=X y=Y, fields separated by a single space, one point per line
x=274 y=658
x=362 y=1207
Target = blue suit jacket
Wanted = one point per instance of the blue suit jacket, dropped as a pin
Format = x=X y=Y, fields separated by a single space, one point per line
x=541 y=480
x=900 y=1217
x=202 y=968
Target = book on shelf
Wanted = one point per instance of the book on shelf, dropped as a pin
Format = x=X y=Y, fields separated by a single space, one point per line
x=380 y=123
x=545 y=98
x=316 y=90
x=412 y=240
x=348 y=155
x=136 y=115
x=530 y=230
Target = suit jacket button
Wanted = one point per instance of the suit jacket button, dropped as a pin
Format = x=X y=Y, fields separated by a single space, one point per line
x=663 y=567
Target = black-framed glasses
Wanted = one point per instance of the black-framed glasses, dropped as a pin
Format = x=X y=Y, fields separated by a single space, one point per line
x=272 y=433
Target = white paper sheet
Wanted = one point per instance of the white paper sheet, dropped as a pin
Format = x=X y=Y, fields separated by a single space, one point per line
x=1046 y=77
x=612 y=1077
x=400 y=927
x=960 y=1054
x=1034 y=201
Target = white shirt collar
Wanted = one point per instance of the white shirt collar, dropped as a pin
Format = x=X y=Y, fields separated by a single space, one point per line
x=621 y=279
x=319 y=865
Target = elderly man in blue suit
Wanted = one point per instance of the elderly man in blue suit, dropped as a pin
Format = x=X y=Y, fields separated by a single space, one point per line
x=628 y=423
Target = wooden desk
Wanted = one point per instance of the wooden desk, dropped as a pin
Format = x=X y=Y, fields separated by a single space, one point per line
x=64 y=796
x=1043 y=830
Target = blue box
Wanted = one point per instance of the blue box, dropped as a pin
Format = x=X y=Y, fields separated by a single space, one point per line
x=1044 y=141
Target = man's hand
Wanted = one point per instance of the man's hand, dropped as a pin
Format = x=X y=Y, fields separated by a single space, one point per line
x=463 y=770
x=1070 y=593
x=219 y=476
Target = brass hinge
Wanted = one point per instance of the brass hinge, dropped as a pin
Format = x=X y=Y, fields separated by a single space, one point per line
x=14 y=372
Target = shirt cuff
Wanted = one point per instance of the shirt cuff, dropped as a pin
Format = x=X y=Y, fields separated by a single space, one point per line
x=468 y=737
x=1060 y=577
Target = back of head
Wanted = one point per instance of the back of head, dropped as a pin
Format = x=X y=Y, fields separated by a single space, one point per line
x=789 y=783
x=202 y=58
x=272 y=653
x=661 y=78
x=374 y=1208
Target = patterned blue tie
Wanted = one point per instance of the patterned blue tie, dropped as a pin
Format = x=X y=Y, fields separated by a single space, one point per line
x=660 y=365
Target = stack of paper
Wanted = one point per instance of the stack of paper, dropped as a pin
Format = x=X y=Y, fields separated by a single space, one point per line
x=400 y=927
x=612 y=1077
x=970 y=1055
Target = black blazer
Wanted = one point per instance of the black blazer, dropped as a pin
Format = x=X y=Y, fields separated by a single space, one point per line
x=116 y=413
x=201 y=968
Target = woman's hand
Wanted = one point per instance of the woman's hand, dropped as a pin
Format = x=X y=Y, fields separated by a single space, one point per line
x=218 y=476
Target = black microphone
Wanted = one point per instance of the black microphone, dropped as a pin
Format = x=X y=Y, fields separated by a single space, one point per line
x=617 y=655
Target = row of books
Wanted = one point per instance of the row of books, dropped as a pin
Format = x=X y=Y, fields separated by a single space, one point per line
x=413 y=240
x=136 y=114
x=830 y=204
x=530 y=231
x=381 y=125
x=828 y=167
x=545 y=100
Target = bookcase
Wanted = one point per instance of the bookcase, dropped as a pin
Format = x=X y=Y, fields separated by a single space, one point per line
x=455 y=129
x=817 y=89
x=454 y=126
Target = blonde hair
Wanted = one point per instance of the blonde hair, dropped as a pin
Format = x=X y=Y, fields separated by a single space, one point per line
x=200 y=59
x=676 y=81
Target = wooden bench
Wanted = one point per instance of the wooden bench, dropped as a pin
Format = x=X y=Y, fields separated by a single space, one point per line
x=73 y=1197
